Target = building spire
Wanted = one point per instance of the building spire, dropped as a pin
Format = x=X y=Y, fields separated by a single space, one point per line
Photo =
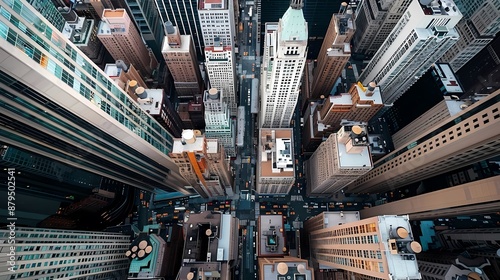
x=297 y=4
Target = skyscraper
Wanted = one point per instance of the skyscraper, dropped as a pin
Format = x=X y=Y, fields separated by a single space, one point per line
x=334 y=53
x=338 y=161
x=50 y=12
x=360 y=104
x=203 y=163
x=60 y=105
x=218 y=123
x=56 y=254
x=478 y=197
x=285 y=50
x=375 y=247
x=180 y=56
x=124 y=42
x=184 y=15
x=478 y=27
x=375 y=21
x=423 y=104
x=464 y=138
x=317 y=14
x=221 y=68
x=148 y=21
x=217 y=21
x=421 y=36
x=275 y=168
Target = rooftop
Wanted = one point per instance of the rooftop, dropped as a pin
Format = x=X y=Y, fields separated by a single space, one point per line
x=276 y=150
x=108 y=13
x=184 y=47
x=293 y=26
x=337 y=218
x=450 y=82
x=181 y=145
x=444 y=7
x=152 y=103
x=285 y=268
x=202 y=232
x=212 y=5
x=271 y=238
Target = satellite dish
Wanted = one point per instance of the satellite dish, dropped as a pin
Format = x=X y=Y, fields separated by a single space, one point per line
x=454 y=97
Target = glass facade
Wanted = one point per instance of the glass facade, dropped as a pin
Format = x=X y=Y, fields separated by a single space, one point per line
x=47 y=47
x=47 y=115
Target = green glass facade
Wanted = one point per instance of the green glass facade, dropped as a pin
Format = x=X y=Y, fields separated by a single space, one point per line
x=82 y=143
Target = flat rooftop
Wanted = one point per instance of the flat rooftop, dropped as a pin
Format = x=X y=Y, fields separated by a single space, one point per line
x=184 y=47
x=357 y=160
x=153 y=106
x=267 y=158
x=198 y=144
x=271 y=238
x=108 y=13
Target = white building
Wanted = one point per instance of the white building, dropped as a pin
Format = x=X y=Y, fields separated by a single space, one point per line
x=285 y=51
x=218 y=123
x=275 y=174
x=476 y=31
x=217 y=22
x=221 y=68
x=374 y=21
x=338 y=161
x=419 y=39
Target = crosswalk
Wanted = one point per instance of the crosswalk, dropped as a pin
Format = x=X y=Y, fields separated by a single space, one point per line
x=296 y=198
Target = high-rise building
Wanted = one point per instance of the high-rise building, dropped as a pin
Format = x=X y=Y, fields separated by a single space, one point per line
x=271 y=237
x=449 y=266
x=81 y=31
x=211 y=246
x=477 y=29
x=334 y=54
x=317 y=14
x=217 y=21
x=443 y=110
x=147 y=19
x=454 y=201
x=360 y=104
x=156 y=103
x=285 y=50
x=56 y=254
x=338 y=161
x=50 y=12
x=423 y=104
x=184 y=15
x=375 y=247
x=59 y=104
x=124 y=42
x=286 y=267
x=275 y=168
x=218 y=123
x=203 y=163
x=375 y=21
x=421 y=36
x=220 y=65
x=464 y=138
x=180 y=56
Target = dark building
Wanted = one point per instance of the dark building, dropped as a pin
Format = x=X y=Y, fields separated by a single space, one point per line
x=148 y=21
x=184 y=15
